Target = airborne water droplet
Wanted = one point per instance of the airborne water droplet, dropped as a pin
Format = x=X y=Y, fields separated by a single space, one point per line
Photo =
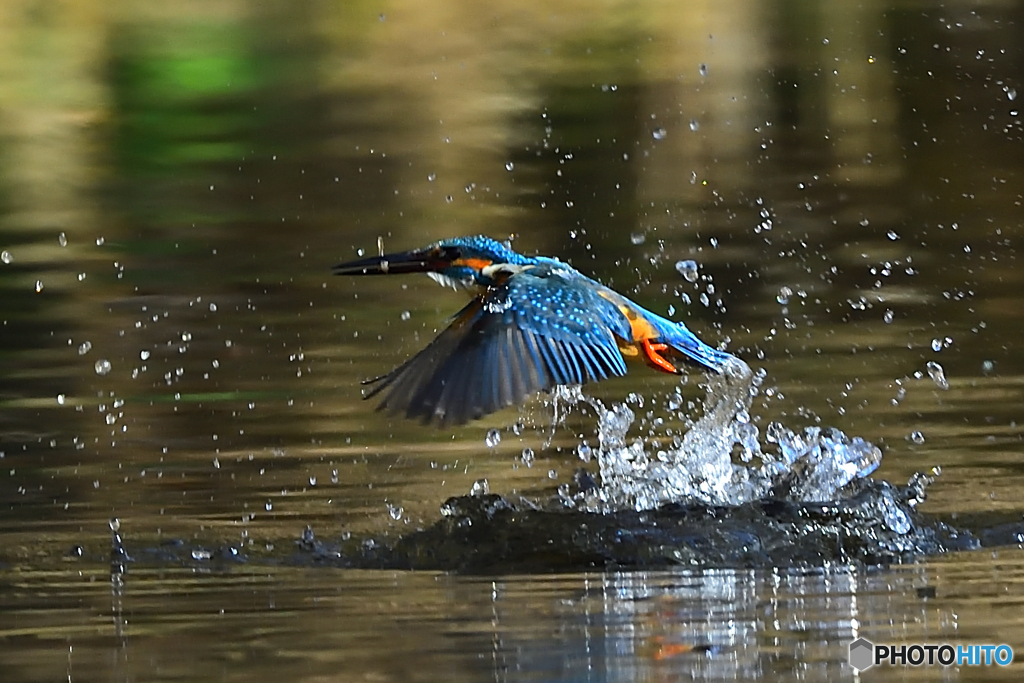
x=688 y=269
x=102 y=366
x=937 y=374
x=585 y=452
x=493 y=438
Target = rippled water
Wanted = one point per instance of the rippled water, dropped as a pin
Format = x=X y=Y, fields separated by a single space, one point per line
x=833 y=192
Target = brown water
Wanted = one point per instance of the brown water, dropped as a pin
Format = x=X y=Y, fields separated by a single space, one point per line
x=175 y=183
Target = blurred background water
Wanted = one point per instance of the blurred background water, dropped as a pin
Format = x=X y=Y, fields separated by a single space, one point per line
x=177 y=179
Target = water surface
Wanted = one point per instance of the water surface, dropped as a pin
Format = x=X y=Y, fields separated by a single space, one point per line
x=175 y=184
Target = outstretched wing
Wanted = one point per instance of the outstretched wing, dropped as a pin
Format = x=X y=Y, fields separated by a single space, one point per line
x=539 y=329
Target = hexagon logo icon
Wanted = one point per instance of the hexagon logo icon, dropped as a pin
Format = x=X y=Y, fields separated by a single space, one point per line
x=862 y=654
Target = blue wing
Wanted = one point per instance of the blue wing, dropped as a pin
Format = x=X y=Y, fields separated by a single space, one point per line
x=543 y=327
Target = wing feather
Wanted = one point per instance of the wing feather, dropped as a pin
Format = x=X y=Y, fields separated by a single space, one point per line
x=536 y=331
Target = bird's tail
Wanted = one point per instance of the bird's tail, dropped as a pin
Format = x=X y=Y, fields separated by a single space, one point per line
x=685 y=343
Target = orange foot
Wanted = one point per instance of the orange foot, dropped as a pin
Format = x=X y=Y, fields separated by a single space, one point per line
x=656 y=360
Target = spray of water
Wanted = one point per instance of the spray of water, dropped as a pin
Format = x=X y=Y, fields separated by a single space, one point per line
x=722 y=460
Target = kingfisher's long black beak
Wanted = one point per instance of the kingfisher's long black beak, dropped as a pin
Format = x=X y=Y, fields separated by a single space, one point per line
x=393 y=264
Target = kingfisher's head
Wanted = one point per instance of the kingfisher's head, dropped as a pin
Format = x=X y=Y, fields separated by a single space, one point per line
x=477 y=261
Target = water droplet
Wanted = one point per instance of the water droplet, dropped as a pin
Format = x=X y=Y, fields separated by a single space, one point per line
x=5 y=256
x=480 y=488
x=893 y=235
x=936 y=345
x=585 y=452
x=39 y=286
x=702 y=69
x=694 y=124
x=200 y=555
x=62 y=240
x=395 y=511
x=102 y=366
x=887 y=316
x=115 y=524
x=783 y=295
x=1011 y=94
x=509 y=166
x=60 y=399
x=84 y=348
x=100 y=241
x=688 y=269
x=213 y=307
x=527 y=457
x=659 y=133
x=638 y=238
x=552 y=474
x=493 y=438
x=917 y=437
x=987 y=366
x=405 y=315
x=937 y=374
x=144 y=355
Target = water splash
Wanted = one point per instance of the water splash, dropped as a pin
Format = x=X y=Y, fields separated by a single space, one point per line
x=722 y=459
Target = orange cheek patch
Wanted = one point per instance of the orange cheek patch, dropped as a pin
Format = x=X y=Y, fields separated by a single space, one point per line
x=476 y=264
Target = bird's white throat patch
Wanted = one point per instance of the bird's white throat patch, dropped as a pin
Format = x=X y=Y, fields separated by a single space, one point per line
x=501 y=271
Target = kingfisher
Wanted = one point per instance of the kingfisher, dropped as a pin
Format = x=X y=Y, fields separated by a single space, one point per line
x=534 y=323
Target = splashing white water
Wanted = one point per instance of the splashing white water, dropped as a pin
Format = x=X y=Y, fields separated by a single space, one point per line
x=702 y=467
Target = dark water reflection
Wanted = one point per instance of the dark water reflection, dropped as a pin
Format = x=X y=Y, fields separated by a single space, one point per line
x=175 y=184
